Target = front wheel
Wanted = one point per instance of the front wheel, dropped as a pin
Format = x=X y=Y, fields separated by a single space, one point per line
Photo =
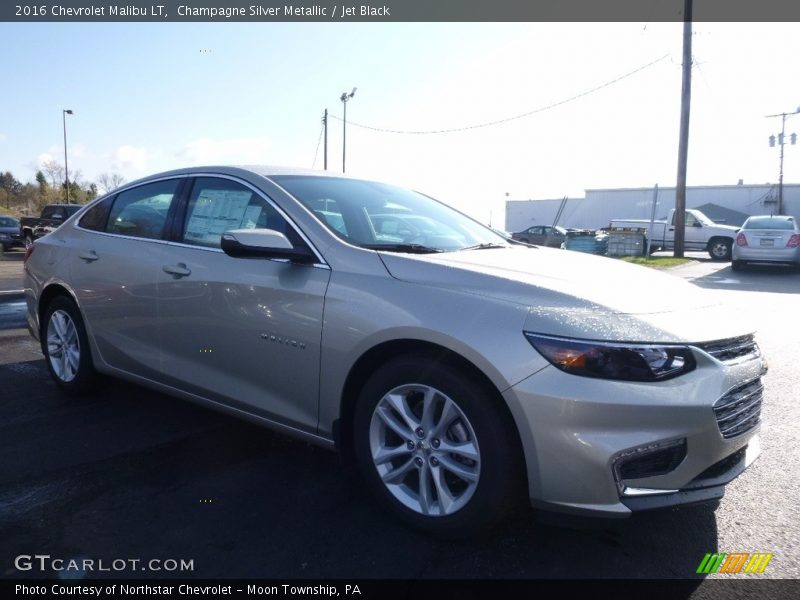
x=720 y=249
x=28 y=240
x=435 y=447
x=66 y=348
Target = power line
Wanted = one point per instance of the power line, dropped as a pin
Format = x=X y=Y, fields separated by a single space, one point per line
x=508 y=119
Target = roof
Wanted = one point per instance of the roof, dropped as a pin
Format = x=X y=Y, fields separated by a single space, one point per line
x=239 y=170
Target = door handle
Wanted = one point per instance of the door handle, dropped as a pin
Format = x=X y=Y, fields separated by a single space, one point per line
x=88 y=255
x=672 y=229
x=177 y=271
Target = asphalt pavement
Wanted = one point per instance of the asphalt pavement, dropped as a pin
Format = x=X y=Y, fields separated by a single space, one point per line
x=130 y=473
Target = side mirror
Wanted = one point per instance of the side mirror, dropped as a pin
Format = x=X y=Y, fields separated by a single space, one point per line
x=263 y=243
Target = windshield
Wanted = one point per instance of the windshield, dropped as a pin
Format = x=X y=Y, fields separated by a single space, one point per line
x=385 y=217
x=8 y=222
x=769 y=223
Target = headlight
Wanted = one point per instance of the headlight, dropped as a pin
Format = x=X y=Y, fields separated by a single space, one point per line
x=614 y=360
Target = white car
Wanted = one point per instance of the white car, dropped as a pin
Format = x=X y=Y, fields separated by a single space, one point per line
x=767 y=240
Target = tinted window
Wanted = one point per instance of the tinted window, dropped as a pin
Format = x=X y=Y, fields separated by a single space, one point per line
x=47 y=212
x=220 y=205
x=768 y=223
x=142 y=211
x=8 y=222
x=96 y=217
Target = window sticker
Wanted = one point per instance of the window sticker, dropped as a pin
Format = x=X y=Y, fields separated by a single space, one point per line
x=215 y=212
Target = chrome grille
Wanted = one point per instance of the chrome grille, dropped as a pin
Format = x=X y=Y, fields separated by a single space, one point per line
x=739 y=410
x=732 y=350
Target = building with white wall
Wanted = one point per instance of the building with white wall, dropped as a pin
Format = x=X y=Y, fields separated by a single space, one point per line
x=727 y=204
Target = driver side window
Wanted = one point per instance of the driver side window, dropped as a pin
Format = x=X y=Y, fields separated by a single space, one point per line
x=219 y=205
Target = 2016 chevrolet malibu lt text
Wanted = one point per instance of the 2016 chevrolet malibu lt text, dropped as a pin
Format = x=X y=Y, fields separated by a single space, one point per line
x=460 y=370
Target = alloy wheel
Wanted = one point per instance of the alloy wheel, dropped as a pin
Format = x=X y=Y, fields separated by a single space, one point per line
x=63 y=346
x=425 y=450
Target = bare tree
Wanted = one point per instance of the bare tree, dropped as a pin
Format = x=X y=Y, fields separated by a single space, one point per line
x=109 y=181
x=54 y=172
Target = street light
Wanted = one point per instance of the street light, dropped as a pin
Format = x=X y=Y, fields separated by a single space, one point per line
x=64 y=114
x=782 y=143
x=344 y=98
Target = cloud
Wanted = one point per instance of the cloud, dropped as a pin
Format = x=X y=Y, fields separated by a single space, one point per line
x=130 y=158
x=3 y=137
x=230 y=151
x=43 y=158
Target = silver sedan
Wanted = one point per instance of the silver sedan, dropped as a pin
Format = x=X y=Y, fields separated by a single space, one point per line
x=767 y=240
x=460 y=370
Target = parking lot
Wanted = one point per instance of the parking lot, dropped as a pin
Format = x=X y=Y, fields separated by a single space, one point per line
x=134 y=474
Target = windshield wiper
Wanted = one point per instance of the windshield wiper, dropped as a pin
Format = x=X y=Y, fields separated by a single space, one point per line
x=484 y=246
x=410 y=248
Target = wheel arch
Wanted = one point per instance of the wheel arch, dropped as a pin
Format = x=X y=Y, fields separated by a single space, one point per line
x=48 y=293
x=46 y=296
x=381 y=353
x=724 y=238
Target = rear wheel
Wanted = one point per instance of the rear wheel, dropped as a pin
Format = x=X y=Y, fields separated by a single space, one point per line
x=28 y=240
x=436 y=448
x=720 y=249
x=66 y=348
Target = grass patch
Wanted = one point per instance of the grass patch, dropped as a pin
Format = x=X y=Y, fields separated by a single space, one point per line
x=657 y=262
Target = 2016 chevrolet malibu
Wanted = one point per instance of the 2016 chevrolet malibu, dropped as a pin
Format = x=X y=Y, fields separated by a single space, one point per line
x=458 y=368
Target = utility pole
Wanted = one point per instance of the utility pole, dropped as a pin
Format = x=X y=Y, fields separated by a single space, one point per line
x=64 y=114
x=782 y=143
x=325 y=143
x=344 y=98
x=683 y=144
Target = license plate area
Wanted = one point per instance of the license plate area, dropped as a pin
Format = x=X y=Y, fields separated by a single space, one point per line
x=767 y=242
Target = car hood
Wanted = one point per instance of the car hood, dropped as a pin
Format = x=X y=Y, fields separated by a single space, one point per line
x=9 y=230
x=578 y=295
x=726 y=228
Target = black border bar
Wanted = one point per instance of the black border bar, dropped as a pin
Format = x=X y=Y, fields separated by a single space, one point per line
x=442 y=589
x=395 y=10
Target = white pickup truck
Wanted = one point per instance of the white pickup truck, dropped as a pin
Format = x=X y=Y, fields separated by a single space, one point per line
x=701 y=233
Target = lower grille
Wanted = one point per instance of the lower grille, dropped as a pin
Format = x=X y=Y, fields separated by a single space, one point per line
x=726 y=464
x=739 y=410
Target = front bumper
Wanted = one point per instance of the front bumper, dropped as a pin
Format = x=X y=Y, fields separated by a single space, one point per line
x=575 y=430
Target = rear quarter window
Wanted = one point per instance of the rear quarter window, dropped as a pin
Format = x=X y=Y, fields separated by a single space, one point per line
x=96 y=217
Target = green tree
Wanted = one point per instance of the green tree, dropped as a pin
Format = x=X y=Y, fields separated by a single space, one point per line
x=11 y=185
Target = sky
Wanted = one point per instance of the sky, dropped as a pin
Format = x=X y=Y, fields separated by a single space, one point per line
x=148 y=97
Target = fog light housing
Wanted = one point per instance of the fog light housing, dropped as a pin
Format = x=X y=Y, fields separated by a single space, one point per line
x=650 y=460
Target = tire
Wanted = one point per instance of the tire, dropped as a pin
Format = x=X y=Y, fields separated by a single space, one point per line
x=468 y=491
x=720 y=249
x=28 y=240
x=737 y=265
x=66 y=348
